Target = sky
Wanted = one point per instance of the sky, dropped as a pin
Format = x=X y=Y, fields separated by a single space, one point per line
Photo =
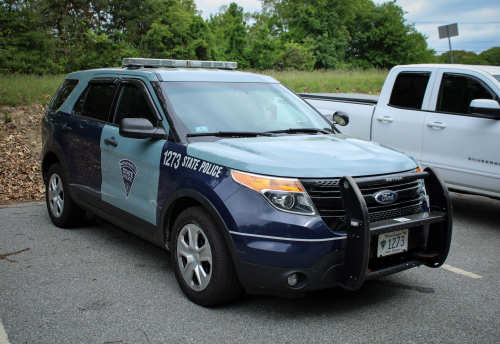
x=478 y=20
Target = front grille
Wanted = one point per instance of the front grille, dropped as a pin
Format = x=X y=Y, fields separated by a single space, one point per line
x=325 y=194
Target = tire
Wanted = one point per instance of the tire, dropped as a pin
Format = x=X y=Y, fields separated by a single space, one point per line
x=63 y=211
x=202 y=263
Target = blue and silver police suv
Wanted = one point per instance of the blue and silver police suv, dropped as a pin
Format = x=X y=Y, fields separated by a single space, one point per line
x=248 y=186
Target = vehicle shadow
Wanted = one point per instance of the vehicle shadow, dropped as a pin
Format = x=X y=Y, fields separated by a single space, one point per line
x=480 y=210
x=315 y=304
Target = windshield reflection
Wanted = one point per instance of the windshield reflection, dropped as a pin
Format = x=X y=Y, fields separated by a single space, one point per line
x=208 y=107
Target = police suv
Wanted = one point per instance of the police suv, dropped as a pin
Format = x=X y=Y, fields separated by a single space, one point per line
x=246 y=184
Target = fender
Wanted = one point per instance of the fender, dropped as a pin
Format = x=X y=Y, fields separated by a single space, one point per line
x=207 y=204
x=51 y=146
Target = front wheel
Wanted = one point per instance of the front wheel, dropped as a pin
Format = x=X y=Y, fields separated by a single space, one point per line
x=202 y=263
x=62 y=210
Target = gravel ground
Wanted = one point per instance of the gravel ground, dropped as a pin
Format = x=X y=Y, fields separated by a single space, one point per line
x=100 y=284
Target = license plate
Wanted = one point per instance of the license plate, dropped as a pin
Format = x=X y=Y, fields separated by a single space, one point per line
x=392 y=243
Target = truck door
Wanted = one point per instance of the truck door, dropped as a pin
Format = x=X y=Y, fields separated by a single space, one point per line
x=399 y=117
x=462 y=147
x=131 y=167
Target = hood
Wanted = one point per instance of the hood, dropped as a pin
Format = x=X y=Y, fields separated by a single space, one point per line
x=303 y=156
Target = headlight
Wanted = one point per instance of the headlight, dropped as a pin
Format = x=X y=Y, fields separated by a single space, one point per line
x=282 y=193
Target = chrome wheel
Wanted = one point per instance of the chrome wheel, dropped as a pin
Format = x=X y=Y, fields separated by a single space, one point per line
x=194 y=257
x=56 y=195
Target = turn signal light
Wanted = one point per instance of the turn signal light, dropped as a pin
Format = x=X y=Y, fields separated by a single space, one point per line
x=260 y=183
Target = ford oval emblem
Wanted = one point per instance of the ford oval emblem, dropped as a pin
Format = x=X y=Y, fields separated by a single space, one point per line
x=385 y=197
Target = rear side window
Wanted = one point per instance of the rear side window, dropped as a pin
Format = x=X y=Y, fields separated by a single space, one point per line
x=133 y=104
x=457 y=91
x=409 y=90
x=62 y=93
x=96 y=101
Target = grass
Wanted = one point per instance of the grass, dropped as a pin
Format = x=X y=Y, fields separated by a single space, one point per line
x=332 y=81
x=20 y=89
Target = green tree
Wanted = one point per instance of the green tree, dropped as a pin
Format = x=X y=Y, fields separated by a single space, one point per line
x=380 y=38
x=490 y=57
x=25 y=45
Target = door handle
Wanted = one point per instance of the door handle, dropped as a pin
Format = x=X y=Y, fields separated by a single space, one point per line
x=436 y=125
x=66 y=127
x=111 y=142
x=385 y=119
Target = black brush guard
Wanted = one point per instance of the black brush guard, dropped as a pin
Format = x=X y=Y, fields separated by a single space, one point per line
x=360 y=231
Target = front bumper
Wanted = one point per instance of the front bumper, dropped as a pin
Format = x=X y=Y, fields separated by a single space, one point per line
x=351 y=260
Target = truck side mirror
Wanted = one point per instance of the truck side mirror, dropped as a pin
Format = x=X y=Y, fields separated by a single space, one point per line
x=140 y=128
x=341 y=118
x=486 y=108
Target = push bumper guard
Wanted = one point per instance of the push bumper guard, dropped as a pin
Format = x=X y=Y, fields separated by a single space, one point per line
x=360 y=231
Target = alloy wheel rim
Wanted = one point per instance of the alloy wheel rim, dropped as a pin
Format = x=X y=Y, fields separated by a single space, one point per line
x=56 y=195
x=194 y=257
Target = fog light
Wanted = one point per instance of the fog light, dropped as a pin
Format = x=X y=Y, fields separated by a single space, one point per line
x=293 y=279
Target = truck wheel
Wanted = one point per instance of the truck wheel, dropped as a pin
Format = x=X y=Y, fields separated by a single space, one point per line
x=63 y=211
x=202 y=263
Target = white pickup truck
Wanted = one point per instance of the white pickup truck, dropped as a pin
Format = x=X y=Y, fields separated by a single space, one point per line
x=445 y=116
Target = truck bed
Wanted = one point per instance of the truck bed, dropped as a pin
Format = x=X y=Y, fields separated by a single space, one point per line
x=342 y=97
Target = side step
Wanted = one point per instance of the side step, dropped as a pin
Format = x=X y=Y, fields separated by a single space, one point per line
x=360 y=230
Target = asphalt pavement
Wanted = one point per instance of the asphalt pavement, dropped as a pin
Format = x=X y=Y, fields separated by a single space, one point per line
x=99 y=284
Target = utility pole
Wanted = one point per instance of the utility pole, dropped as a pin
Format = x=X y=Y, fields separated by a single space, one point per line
x=447 y=31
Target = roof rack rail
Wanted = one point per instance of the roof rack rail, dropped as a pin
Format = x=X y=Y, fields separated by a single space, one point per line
x=141 y=62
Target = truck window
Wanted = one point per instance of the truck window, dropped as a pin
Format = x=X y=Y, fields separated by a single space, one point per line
x=457 y=91
x=96 y=101
x=133 y=104
x=62 y=93
x=409 y=90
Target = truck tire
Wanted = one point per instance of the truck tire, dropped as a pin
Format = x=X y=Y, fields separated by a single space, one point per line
x=202 y=263
x=63 y=211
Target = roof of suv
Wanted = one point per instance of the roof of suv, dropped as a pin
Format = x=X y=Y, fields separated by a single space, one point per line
x=179 y=74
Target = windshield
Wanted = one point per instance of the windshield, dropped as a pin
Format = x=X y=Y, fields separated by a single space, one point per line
x=497 y=77
x=251 y=107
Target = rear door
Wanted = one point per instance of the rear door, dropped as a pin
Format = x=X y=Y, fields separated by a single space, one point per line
x=399 y=116
x=81 y=135
x=131 y=167
x=462 y=147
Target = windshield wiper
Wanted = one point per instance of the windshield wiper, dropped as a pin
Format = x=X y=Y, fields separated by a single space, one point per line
x=299 y=130
x=231 y=134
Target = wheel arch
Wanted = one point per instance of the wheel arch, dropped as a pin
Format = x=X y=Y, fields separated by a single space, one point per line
x=183 y=199
x=48 y=160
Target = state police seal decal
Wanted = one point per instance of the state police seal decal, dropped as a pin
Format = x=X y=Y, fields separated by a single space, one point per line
x=129 y=171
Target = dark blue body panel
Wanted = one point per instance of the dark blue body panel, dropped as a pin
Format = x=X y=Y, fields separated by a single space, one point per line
x=247 y=212
x=82 y=152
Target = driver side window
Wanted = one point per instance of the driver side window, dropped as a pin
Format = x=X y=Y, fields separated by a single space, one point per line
x=457 y=91
x=132 y=104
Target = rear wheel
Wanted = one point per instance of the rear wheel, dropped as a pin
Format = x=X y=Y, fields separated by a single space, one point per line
x=202 y=263
x=62 y=210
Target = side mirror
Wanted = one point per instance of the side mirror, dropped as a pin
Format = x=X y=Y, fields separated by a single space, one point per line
x=486 y=108
x=140 y=128
x=341 y=118
x=329 y=117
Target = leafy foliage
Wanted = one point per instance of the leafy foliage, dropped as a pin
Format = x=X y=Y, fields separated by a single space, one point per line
x=488 y=57
x=61 y=36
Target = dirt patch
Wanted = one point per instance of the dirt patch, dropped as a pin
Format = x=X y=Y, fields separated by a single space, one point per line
x=20 y=146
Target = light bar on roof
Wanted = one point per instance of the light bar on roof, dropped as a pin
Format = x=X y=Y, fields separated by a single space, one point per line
x=140 y=62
